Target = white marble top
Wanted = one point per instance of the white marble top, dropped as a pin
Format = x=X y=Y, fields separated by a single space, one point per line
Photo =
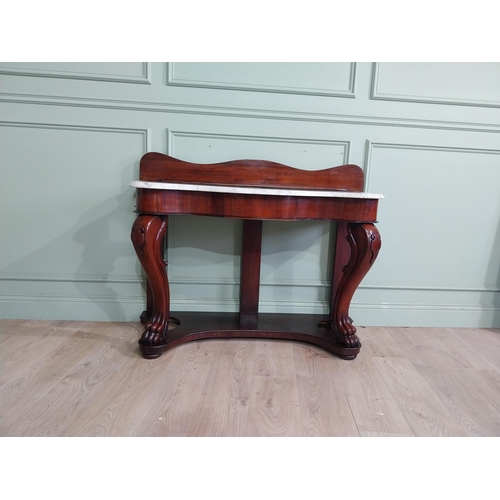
x=212 y=188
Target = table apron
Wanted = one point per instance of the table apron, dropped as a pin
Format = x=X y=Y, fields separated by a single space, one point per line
x=249 y=206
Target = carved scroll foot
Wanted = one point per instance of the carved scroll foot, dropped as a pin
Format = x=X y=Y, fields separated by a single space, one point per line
x=364 y=242
x=147 y=236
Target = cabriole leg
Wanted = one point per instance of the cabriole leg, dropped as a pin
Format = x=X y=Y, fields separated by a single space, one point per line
x=364 y=242
x=147 y=236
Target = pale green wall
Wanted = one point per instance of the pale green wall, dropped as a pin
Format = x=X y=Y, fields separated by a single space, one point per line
x=427 y=135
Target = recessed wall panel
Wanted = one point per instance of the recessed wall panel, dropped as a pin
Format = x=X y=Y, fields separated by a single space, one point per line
x=299 y=152
x=334 y=79
x=130 y=72
x=440 y=219
x=66 y=205
x=476 y=83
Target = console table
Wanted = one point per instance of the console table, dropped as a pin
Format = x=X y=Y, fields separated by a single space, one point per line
x=254 y=191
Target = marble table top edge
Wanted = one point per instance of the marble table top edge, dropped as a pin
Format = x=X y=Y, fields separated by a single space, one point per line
x=214 y=188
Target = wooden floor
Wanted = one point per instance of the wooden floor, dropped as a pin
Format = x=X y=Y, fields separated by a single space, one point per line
x=62 y=378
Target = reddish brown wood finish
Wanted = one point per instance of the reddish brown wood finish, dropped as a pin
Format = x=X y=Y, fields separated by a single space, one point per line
x=306 y=328
x=364 y=242
x=357 y=246
x=157 y=167
x=147 y=236
x=262 y=207
x=250 y=273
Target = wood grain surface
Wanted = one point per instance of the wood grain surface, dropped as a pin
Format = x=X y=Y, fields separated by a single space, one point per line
x=67 y=378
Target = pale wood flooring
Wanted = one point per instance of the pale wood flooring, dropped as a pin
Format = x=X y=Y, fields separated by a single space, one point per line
x=63 y=378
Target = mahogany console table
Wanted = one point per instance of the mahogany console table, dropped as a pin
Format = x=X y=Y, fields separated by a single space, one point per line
x=254 y=191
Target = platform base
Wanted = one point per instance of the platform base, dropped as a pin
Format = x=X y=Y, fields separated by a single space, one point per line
x=306 y=328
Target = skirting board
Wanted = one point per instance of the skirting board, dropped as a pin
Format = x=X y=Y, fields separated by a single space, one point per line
x=363 y=314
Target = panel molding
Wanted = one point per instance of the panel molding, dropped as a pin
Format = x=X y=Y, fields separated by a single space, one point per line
x=71 y=298
x=144 y=79
x=172 y=134
x=72 y=278
x=376 y=95
x=146 y=132
x=178 y=82
x=233 y=112
x=76 y=278
x=370 y=146
x=186 y=280
x=430 y=288
x=204 y=281
x=327 y=284
x=278 y=305
x=295 y=305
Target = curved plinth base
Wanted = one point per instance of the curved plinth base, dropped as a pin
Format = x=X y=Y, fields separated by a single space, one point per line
x=297 y=327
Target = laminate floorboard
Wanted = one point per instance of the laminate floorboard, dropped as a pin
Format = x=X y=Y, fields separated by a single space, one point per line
x=222 y=408
x=42 y=371
x=374 y=408
x=484 y=343
x=426 y=414
x=171 y=408
x=70 y=378
x=274 y=404
x=458 y=390
x=51 y=410
x=324 y=405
